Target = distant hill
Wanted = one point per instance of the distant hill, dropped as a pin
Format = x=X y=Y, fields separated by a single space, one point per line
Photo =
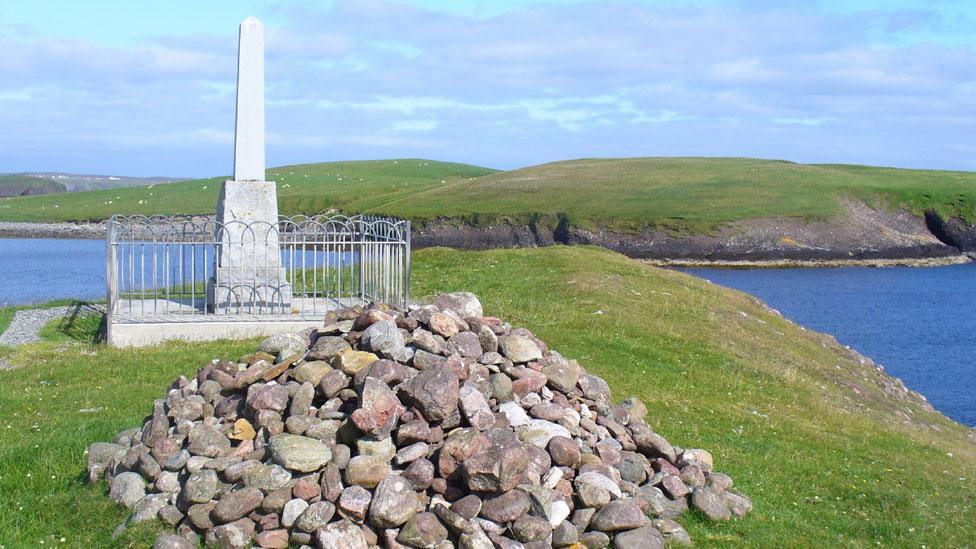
x=36 y=183
x=656 y=208
x=684 y=195
x=360 y=186
x=25 y=185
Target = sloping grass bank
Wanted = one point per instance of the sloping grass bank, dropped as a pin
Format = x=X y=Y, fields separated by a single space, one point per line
x=829 y=459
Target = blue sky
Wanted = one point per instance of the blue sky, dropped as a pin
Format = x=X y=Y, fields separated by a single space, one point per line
x=142 y=88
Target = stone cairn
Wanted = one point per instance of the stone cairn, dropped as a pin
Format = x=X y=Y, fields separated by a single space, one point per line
x=437 y=428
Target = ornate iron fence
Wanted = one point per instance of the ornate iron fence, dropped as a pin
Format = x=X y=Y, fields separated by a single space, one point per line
x=167 y=269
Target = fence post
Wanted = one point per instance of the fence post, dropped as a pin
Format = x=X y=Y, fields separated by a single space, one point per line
x=406 y=276
x=111 y=277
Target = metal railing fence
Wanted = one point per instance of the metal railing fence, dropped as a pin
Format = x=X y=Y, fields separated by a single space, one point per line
x=160 y=268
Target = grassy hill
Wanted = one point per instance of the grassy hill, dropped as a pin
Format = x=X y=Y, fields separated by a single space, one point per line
x=17 y=185
x=358 y=186
x=829 y=457
x=686 y=195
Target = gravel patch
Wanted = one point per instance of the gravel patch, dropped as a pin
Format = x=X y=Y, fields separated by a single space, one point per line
x=27 y=323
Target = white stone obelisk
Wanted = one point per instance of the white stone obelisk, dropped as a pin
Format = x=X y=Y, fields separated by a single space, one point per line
x=248 y=272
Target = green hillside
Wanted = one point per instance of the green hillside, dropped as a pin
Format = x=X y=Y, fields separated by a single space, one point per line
x=828 y=457
x=17 y=185
x=686 y=195
x=356 y=186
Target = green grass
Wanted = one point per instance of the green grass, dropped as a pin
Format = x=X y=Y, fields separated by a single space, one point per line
x=359 y=186
x=683 y=195
x=15 y=185
x=828 y=459
x=7 y=313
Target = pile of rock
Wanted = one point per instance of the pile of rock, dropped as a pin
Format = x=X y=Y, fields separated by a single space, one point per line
x=436 y=428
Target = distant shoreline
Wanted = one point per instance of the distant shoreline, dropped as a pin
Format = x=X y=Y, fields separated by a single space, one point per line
x=96 y=231
x=811 y=263
x=70 y=231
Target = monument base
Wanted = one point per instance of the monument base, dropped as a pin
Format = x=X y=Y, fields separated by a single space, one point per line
x=262 y=293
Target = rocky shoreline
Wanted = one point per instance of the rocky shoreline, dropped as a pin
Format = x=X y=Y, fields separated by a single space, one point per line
x=859 y=236
x=77 y=231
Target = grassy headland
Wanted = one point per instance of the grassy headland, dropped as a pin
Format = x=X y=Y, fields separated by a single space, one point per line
x=684 y=195
x=17 y=185
x=361 y=186
x=829 y=457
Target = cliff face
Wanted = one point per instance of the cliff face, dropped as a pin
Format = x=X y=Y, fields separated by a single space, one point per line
x=860 y=232
x=953 y=231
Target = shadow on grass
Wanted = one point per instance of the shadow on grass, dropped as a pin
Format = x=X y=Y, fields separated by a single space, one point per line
x=83 y=322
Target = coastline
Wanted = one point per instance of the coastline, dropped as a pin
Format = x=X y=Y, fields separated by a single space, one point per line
x=423 y=239
x=66 y=230
x=960 y=259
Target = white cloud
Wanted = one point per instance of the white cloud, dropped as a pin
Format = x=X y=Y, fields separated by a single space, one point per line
x=414 y=125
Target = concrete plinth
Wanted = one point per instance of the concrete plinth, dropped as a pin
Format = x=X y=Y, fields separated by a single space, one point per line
x=137 y=335
x=247 y=271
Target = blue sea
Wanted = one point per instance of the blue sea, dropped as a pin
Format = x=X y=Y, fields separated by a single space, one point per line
x=920 y=323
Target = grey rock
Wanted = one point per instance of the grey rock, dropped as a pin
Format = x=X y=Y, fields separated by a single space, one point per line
x=531 y=528
x=595 y=389
x=201 y=486
x=100 y=454
x=420 y=474
x=711 y=503
x=279 y=342
x=619 y=515
x=465 y=304
x=488 y=340
x=475 y=408
x=519 y=349
x=148 y=508
x=292 y=510
x=207 y=441
x=382 y=337
x=127 y=489
x=466 y=344
x=367 y=471
x=382 y=449
x=423 y=360
x=738 y=504
x=326 y=347
x=674 y=533
x=501 y=387
x=562 y=374
x=595 y=540
x=514 y=412
x=539 y=432
x=299 y=453
x=433 y=391
x=315 y=516
x=506 y=507
x=267 y=477
x=167 y=540
x=236 y=504
x=423 y=531
x=199 y=515
x=646 y=537
x=341 y=535
x=565 y=534
x=408 y=454
x=633 y=467
x=394 y=502
x=235 y=535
